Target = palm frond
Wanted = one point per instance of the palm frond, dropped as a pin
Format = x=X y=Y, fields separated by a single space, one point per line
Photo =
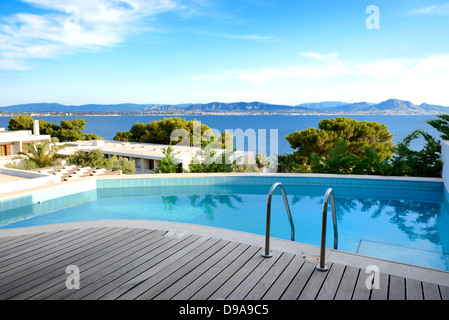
x=41 y=153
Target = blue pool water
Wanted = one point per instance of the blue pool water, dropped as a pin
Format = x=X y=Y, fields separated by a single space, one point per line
x=410 y=226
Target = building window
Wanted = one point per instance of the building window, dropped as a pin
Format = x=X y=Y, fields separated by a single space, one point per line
x=5 y=150
x=24 y=144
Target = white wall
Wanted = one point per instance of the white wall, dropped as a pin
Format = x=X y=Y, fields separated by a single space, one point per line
x=34 y=179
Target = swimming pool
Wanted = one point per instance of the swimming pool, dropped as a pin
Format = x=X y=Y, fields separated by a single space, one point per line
x=399 y=220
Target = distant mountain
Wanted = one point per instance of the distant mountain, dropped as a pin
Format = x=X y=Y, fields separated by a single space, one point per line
x=352 y=107
x=392 y=106
x=322 y=105
x=32 y=107
x=240 y=107
x=406 y=107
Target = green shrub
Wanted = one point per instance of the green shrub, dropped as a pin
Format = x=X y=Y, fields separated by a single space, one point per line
x=121 y=163
x=23 y=164
x=207 y=160
x=168 y=162
x=96 y=158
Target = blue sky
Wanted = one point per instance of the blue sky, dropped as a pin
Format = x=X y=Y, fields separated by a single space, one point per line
x=197 y=51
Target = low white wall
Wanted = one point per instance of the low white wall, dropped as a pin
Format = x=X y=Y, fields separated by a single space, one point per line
x=445 y=159
x=34 y=179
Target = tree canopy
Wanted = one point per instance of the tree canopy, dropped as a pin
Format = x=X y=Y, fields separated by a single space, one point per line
x=358 y=136
x=441 y=124
x=192 y=132
x=346 y=146
x=419 y=163
x=68 y=130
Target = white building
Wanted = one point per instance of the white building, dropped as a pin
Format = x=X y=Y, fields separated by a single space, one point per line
x=147 y=156
x=12 y=142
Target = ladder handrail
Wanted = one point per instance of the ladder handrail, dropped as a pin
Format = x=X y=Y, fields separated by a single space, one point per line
x=267 y=253
x=329 y=193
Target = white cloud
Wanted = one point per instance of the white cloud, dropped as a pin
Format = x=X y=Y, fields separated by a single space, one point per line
x=329 y=77
x=241 y=36
x=322 y=66
x=70 y=26
x=330 y=57
x=442 y=9
x=384 y=70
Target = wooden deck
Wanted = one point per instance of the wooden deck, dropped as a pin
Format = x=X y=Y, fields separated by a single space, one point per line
x=132 y=263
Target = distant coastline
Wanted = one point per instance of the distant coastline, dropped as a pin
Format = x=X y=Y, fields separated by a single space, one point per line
x=388 y=107
x=180 y=114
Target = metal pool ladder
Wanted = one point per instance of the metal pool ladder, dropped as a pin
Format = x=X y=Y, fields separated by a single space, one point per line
x=267 y=253
x=322 y=260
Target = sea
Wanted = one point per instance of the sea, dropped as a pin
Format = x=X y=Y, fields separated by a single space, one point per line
x=272 y=138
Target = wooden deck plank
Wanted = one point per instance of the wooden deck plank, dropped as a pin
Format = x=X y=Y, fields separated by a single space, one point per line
x=142 y=286
x=40 y=248
x=278 y=288
x=119 y=270
x=298 y=283
x=381 y=293
x=132 y=263
x=348 y=282
x=161 y=257
x=13 y=241
x=413 y=289
x=19 y=242
x=28 y=265
x=212 y=273
x=270 y=277
x=98 y=274
x=187 y=270
x=208 y=291
x=31 y=259
x=49 y=241
x=431 y=291
x=198 y=274
x=330 y=286
x=397 y=288
x=101 y=279
x=244 y=287
x=84 y=257
x=39 y=267
x=35 y=271
x=5 y=240
x=238 y=277
x=361 y=292
x=313 y=286
x=84 y=260
x=444 y=292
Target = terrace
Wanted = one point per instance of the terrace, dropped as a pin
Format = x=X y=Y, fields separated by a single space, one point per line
x=143 y=259
x=154 y=260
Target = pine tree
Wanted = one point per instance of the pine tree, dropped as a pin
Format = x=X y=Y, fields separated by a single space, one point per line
x=441 y=124
x=357 y=134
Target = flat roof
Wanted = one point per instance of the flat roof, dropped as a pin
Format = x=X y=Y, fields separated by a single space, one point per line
x=7 y=178
x=138 y=150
